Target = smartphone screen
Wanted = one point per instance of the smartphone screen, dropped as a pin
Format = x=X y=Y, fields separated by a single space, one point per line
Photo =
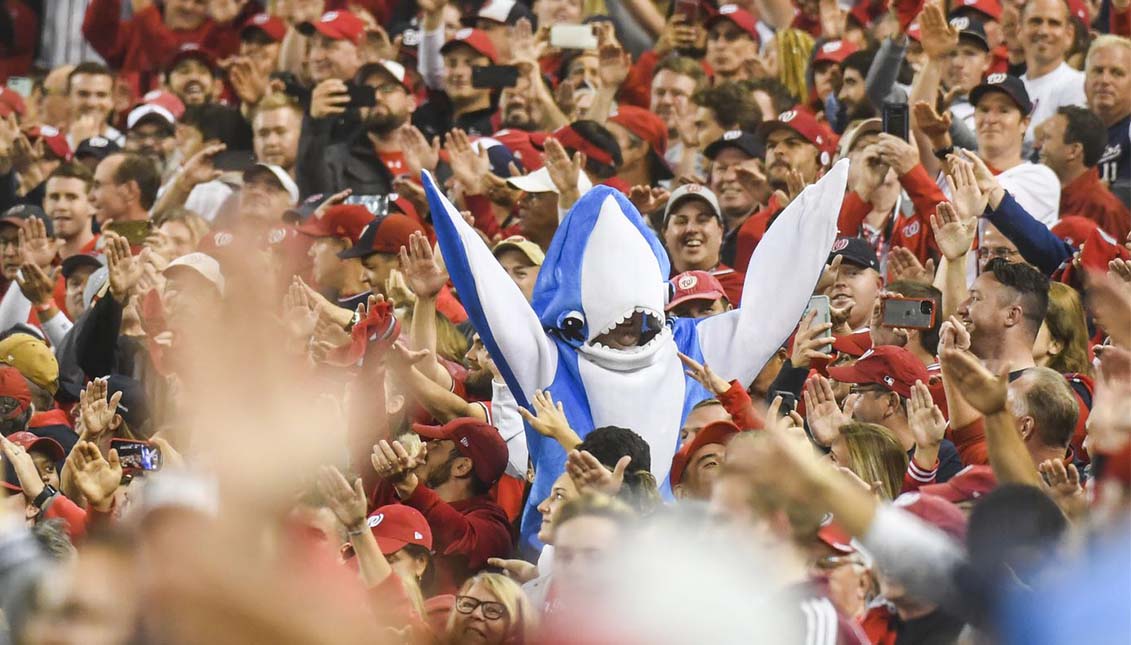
x=689 y=9
x=896 y=121
x=572 y=37
x=821 y=305
x=361 y=96
x=137 y=455
x=135 y=232
x=908 y=313
x=494 y=77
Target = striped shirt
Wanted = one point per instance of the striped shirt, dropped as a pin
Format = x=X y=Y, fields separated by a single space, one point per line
x=63 y=42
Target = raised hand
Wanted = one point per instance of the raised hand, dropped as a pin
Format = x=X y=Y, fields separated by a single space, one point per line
x=248 y=84
x=953 y=235
x=25 y=154
x=549 y=420
x=648 y=200
x=393 y=462
x=588 y=474
x=469 y=166
x=418 y=154
x=702 y=373
x=96 y=477
x=99 y=415
x=983 y=390
x=938 y=37
x=926 y=420
x=987 y=182
x=1120 y=269
x=347 y=503
x=825 y=417
x=904 y=265
x=869 y=175
x=936 y=126
x=38 y=247
x=829 y=275
x=421 y=271
x=124 y=268
x=614 y=61
x=564 y=172
x=525 y=44
x=26 y=472
x=954 y=335
x=1062 y=484
x=520 y=571
x=967 y=196
x=897 y=153
x=299 y=315
x=199 y=169
x=36 y=285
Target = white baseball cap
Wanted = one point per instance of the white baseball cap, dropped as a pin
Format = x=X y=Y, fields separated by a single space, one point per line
x=281 y=175
x=539 y=182
x=204 y=265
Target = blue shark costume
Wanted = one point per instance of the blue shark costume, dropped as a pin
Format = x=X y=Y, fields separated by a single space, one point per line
x=604 y=265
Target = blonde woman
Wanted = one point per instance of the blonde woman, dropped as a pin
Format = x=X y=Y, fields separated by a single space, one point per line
x=1062 y=342
x=490 y=608
x=873 y=454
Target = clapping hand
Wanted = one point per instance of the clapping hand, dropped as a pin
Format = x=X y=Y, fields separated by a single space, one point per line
x=926 y=420
x=648 y=199
x=26 y=472
x=36 y=285
x=903 y=265
x=469 y=165
x=953 y=234
x=39 y=249
x=825 y=417
x=125 y=270
x=347 y=503
x=421 y=271
x=588 y=474
x=99 y=415
x=96 y=477
x=419 y=155
x=392 y=461
x=549 y=420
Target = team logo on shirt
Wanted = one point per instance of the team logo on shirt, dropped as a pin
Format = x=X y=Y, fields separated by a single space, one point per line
x=375 y=520
x=911 y=229
x=687 y=282
x=994 y=79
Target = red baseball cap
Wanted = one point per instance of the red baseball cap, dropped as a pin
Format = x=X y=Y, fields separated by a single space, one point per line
x=396 y=525
x=336 y=25
x=741 y=18
x=383 y=235
x=990 y=8
x=835 y=537
x=475 y=440
x=967 y=484
x=167 y=100
x=474 y=38
x=835 y=51
x=935 y=511
x=1079 y=9
x=10 y=102
x=915 y=32
x=273 y=26
x=805 y=124
x=55 y=141
x=343 y=220
x=192 y=50
x=856 y=344
x=646 y=125
x=570 y=138
x=894 y=368
x=694 y=285
x=720 y=432
x=1074 y=229
x=29 y=441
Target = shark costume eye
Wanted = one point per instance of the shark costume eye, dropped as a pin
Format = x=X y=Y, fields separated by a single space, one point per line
x=572 y=324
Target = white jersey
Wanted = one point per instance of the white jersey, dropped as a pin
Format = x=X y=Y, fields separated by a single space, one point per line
x=1062 y=86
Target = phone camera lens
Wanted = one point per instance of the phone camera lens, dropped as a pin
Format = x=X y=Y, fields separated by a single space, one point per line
x=926 y=307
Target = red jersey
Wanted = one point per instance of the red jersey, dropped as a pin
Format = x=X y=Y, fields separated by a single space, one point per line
x=1088 y=197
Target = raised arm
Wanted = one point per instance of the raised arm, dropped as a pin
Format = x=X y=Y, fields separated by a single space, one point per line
x=779 y=280
x=509 y=328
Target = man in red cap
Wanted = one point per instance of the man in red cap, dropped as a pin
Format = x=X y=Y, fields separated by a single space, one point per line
x=261 y=36
x=454 y=102
x=449 y=483
x=828 y=76
x=882 y=380
x=192 y=74
x=334 y=230
x=643 y=140
x=15 y=401
x=797 y=148
x=697 y=464
x=335 y=41
x=377 y=247
x=732 y=44
x=697 y=294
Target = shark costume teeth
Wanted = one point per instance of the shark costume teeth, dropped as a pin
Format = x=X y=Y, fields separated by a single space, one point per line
x=603 y=267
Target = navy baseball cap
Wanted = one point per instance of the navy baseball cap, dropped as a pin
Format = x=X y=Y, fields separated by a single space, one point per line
x=1007 y=84
x=747 y=142
x=855 y=250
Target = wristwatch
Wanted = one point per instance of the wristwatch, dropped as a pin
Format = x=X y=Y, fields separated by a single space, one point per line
x=47 y=493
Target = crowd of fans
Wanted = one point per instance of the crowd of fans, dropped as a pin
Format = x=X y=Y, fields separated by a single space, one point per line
x=243 y=400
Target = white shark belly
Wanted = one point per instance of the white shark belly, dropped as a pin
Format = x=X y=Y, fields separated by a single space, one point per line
x=647 y=400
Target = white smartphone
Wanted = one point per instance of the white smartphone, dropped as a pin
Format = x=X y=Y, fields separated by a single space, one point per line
x=572 y=37
x=821 y=305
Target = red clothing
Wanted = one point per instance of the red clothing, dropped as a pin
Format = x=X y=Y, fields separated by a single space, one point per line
x=1121 y=22
x=75 y=518
x=999 y=61
x=970 y=440
x=732 y=282
x=736 y=401
x=464 y=533
x=1088 y=197
x=16 y=59
x=751 y=232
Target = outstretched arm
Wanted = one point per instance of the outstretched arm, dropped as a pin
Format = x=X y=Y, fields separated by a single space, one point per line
x=779 y=280
x=510 y=329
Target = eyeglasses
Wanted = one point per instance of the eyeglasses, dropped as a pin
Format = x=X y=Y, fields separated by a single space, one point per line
x=832 y=562
x=991 y=252
x=861 y=389
x=491 y=610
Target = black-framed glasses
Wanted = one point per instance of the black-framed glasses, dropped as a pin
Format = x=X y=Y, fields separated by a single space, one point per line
x=861 y=389
x=491 y=610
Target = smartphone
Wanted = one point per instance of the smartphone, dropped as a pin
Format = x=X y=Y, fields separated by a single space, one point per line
x=137 y=456
x=821 y=305
x=361 y=96
x=572 y=37
x=134 y=231
x=908 y=313
x=788 y=401
x=896 y=121
x=689 y=9
x=378 y=205
x=20 y=85
x=233 y=160
x=494 y=77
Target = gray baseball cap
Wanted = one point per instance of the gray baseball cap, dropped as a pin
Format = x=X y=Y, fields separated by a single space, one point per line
x=693 y=191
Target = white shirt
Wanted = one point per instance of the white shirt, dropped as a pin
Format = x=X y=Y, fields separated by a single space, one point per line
x=1036 y=188
x=1062 y=86
x=962 y=110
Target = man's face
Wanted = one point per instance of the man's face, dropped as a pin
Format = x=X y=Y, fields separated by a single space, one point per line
x=276 y=137
x=538 y=216
x=1107 y=82
x=263 y=199
x=702 y=470
x=998 y=122
x=693 y=235
x=729 y=48
x=852 y=93
x=995 y=245
x=108 y=197
x=185 y=14
x=327 y=266
x=66 y=202
x=263 y=53
x=700 y=417
x=563 y=490
x=827 y=79
x=581 y=550
x=394 y=104
x=192 y=81
x=10 y=256
x=1055 y=153
x=787 y=150
x=187 y=297
x=457 y=74
x=92 y=94
x=521 y=270
x=585 y=70
x=329 y=58
x=873 y=405
x=964 y=67
x=983 y=313
x=45 y=465
x=700 y=308
x=171 y=240
x=1046 y=32
x=477 y=360
x=857 y=287
x=76 y=283
x=633 y=149
x=376 y=269
x=707 y=127
x=734 y=199
x=519 y=109
x=671 y=97
x=152 y=139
